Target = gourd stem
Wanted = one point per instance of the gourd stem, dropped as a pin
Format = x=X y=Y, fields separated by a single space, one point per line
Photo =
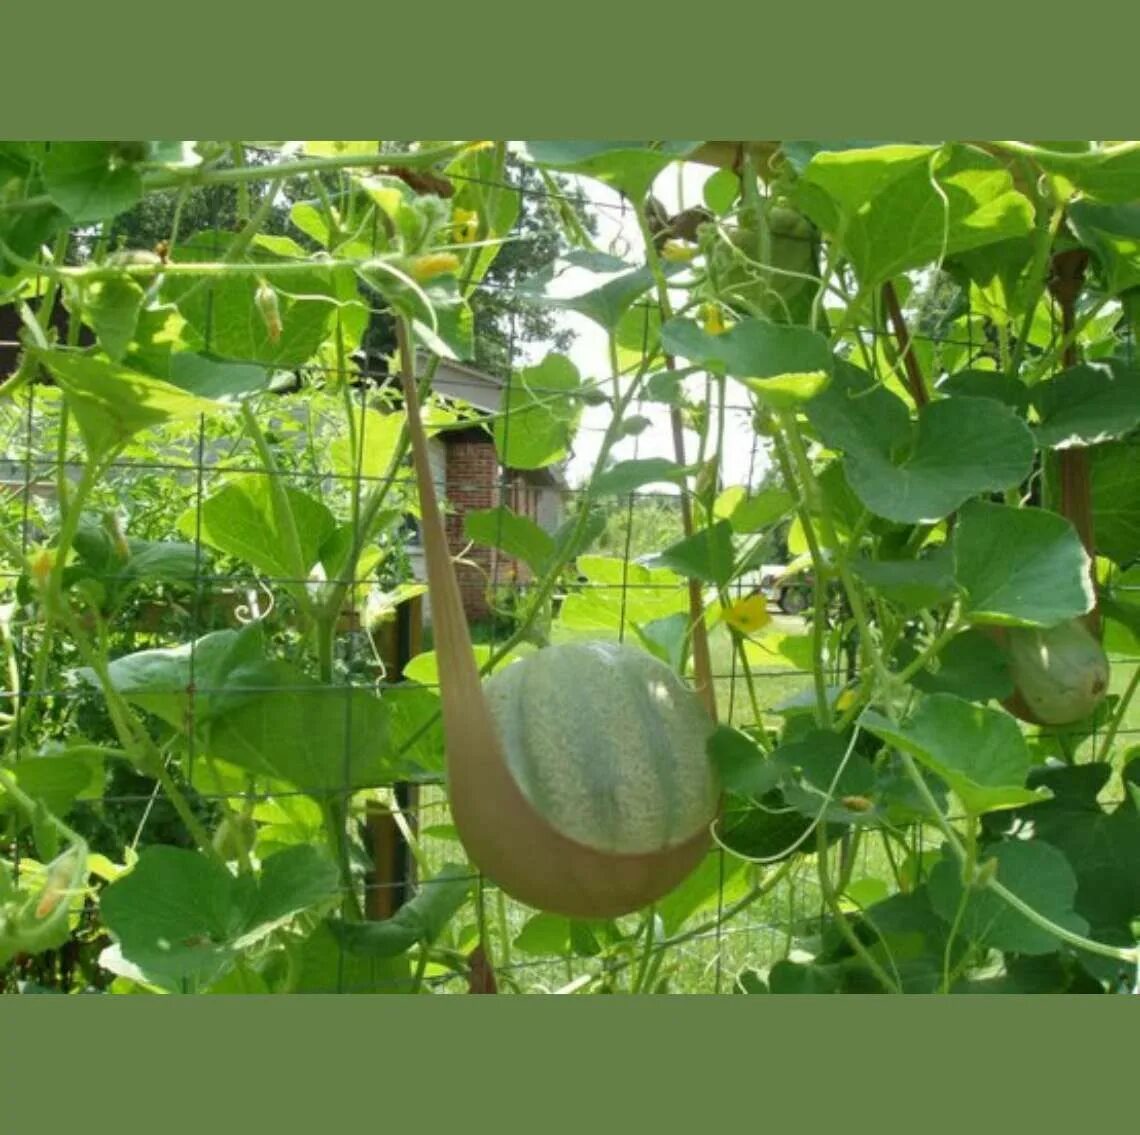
x=832 y=901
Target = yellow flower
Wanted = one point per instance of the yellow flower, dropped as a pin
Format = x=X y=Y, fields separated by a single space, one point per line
x=475 y=147
x=847 y=699
x=466 y=223
x=678 y=251
x=433 y=264
x=41 y=562
x=711 y=319
x=748 y=615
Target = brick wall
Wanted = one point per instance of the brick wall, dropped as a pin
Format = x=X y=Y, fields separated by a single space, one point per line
x=472 y=483
x=474 y=480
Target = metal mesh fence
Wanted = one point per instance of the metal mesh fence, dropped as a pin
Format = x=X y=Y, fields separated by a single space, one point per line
x=729 y=921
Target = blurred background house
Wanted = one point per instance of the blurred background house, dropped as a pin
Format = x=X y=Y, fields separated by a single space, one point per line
x=469 y=476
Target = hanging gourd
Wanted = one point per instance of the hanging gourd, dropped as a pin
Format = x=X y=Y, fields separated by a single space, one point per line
x=1061 y=674
x=577 y=776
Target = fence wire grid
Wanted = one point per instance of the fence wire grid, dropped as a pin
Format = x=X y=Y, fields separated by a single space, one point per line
x=728 y=929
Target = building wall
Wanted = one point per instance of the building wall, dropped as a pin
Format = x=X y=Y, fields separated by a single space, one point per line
x=472 y=483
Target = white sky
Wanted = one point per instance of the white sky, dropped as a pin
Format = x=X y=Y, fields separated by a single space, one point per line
x=678 y=187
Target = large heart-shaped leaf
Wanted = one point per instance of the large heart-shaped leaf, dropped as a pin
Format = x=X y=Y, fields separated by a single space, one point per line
x=783 y=364
x=224 y=316
x=1112 y=233
x=111 y=403
x=517 y=536
x=181 y=919
x=242 y=520
x=189 y=683
x=971 y=666
x=1087 y=404
x=1109 y=173
x=979 y=752
x=962 y=447
x=325 y=740
x=90 y=181
x=1038 y=874
x=1116 y=500
x=539 y=414
x=1020 y=566
x=629 y=167
x=895 y=208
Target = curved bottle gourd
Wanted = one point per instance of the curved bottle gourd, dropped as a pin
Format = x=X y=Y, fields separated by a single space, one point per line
x=542 y=863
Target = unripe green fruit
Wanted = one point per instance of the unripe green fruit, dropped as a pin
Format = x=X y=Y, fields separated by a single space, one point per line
x=1060 y=674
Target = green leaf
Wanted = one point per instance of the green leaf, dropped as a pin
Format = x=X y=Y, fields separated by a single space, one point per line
x=517 y=536
x=760 y=510
x=767 y=830
x=379 y=435
x=743 y=767
x=1112 y=233
x=707 y=554
x=1087 y=404
x=802 y=977
x=223 y=316
x=626 y=476
x=420 y=921
x=970 y=666
x=416 y=730
x=88 y=180
x=785 y=365
x=979 y=752
x=1001 y=387
x=962 y=447
x=194 y=680
x=212 y=378
x=539 y=414
x=618 y=594
x=717 y=882
x=112 y=403
x=1038 y=874
x=182 y=918
x=896 y=208
x=544 y=936
x=1020 y=566
x=58 y=778
x=1101 y=844
x=324 y=740
x=112 y=309
x=1110 y=174
x=161 y=561
x=856 y=414
x=667 y=639
x=720 y=191
x=629 y=167
x=1116 y=500
x=814 y=760
x=607 y=304
x=241 y=520
x=291 y=880
x=910 y=584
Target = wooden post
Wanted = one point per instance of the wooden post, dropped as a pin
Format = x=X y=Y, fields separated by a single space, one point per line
x=393 y=866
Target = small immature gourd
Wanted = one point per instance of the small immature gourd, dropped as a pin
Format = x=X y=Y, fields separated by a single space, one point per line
x=1060 y=674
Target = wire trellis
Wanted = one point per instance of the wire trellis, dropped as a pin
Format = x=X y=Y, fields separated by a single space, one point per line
x=705 y=951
